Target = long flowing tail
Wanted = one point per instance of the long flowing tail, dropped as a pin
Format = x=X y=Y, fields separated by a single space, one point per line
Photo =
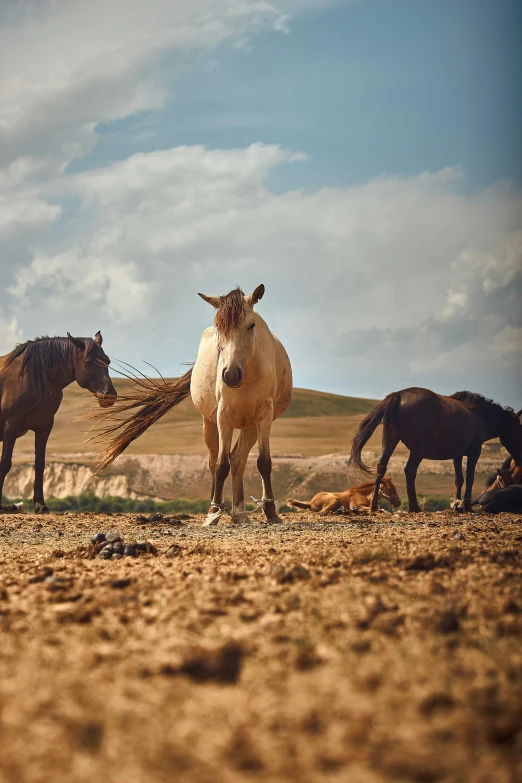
x=385 y=411
x=153 y=399
x=297 y=503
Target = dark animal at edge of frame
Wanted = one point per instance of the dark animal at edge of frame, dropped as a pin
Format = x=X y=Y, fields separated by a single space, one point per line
x=438 y=427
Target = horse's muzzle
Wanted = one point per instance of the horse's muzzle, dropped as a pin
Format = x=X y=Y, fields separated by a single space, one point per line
x=232 y=377
x=106 y=400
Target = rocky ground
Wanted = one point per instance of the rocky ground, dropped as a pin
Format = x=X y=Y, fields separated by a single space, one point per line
x=341 y=649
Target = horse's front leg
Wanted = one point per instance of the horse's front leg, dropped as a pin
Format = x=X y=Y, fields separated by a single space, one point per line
x=225 y=431
x=41 y=436
x=8 y=442
x=264 y=462
x=211 y=436
x=238 y=462
x=411 y=473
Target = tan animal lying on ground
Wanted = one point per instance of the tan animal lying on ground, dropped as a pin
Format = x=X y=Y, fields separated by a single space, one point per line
x=359 y=497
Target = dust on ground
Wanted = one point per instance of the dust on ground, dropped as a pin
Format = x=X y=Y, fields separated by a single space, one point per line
x=361 y=649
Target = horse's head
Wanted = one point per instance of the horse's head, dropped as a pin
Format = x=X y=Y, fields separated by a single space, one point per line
x=389 y=491
x=91 y=368
x=235 y=324
x=511 y=437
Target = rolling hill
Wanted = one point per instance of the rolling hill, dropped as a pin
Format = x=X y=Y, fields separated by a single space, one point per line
x=315 y=423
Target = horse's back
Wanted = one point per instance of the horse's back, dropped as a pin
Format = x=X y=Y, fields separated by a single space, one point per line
x=442 y=425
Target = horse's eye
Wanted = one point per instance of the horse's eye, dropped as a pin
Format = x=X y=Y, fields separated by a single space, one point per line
x=251 y=326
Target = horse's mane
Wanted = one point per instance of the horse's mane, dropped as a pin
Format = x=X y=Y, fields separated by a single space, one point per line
x=40 y=356
x=229 y=312
x=481 y=404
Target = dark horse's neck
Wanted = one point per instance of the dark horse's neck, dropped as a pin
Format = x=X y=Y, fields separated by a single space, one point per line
x=500 y=422
x=48 y=361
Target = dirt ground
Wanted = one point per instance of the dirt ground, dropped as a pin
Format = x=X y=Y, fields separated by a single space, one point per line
x=352 y=649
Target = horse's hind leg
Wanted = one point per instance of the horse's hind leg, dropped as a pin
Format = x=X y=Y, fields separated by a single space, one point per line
x=41 y=437
x=471 y=462
x=459 y=476
x=225 y=428
x=238 y=461
x=6 y=460
x=390 y=438
x=411 y=473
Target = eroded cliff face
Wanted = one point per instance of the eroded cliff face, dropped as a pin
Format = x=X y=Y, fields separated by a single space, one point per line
x=63 y=479
x=166 y=477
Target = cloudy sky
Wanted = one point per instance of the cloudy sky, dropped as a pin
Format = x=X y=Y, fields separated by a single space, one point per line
x=362 y=159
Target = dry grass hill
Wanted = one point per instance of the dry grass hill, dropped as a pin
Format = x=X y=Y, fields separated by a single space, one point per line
x=316 y=423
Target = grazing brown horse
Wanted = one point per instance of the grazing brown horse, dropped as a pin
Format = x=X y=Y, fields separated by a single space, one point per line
x=433 y=426
x=32 y=379
x=358 y=497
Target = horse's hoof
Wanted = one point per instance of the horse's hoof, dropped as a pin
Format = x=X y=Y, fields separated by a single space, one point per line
x=241 y=519
x=274 y=520
x=40 y=508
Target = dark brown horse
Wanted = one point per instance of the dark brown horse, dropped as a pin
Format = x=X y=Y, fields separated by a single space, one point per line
x=32 y=379
x=433 y=426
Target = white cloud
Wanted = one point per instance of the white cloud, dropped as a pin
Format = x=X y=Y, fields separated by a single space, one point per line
x=371 y=287
x=396 y=281
x=67 y=65
x=10 y=333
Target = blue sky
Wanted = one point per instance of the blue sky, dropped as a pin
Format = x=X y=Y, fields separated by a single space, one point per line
x=360 y=158
x=377 y=87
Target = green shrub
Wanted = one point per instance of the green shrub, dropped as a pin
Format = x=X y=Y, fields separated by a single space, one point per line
x=88 y=501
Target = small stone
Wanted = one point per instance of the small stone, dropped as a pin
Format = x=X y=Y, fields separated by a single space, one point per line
x=458 y=536
x=116 y=556
x=141 y=519
x=118 y=547
x=41 y=576
x=146 y=546
x=156 y=517
x=120 y=584
x=113 y=537
x=174 y=551
x=221 y=665
x=300 y=572
x=105 y=554
x=421 y=563
x=449 y=622
x=130 y=550
x=98 y=538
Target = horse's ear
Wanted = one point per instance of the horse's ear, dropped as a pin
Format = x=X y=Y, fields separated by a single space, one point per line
x=256 y=295
x=212 y=300
x=77 y=342
x=98 y=339
x=519 y=414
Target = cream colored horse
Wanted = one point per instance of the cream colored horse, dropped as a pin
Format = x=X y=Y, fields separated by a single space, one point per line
x=242 y=380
